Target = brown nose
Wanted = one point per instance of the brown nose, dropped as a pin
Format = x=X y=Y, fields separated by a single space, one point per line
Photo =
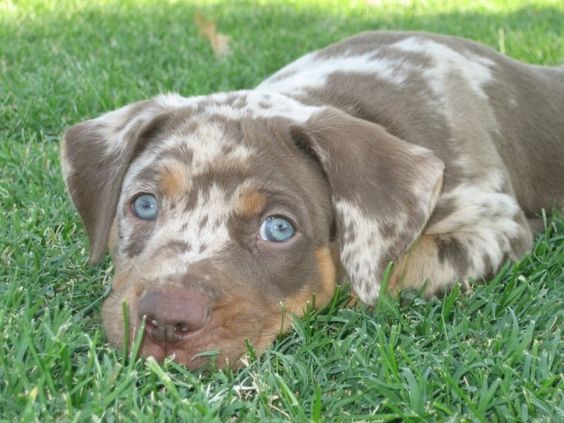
x=172 y=314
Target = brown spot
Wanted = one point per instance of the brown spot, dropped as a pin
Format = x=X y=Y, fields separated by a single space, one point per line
x=433 y=263
x=322 y=291
x=408 y=273
x=328 y=273
x=353 y=301
x=203 y=222
x=452 y=250
x=251 y=203
x=489 y=269
x=174 y=180
x=139 y=239
x=388 y=230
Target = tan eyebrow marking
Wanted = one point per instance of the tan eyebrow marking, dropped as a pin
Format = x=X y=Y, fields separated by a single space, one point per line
x=251 y=203
x=174 y=180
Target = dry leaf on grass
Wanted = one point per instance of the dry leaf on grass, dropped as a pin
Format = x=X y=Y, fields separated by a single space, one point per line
x=218 y=41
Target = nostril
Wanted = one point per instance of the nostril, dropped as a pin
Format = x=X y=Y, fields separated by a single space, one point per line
x=149 y=320
x=151 y=324
x=182 y=328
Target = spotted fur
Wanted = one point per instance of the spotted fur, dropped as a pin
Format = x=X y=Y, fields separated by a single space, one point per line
x=429 y=152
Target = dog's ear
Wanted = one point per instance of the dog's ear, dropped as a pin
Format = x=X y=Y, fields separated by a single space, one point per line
x=383 y=192
x=95 y=156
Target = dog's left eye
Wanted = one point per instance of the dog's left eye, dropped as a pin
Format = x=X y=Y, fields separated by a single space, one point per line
x=145 y=207
x=276 y=229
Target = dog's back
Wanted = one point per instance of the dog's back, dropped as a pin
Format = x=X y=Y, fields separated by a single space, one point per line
x=477 y=110
x=225 y=212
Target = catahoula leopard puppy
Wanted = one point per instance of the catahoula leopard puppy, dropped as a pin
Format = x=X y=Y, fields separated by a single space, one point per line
x=224 y=213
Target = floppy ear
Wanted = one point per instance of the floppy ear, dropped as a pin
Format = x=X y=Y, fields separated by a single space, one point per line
x=383 y=192
x=95 y=156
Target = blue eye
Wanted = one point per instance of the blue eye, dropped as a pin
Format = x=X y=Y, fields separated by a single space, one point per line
x=276 y=229
x=145 y=207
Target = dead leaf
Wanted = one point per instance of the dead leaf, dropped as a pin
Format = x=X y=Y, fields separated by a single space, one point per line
x=219 y=42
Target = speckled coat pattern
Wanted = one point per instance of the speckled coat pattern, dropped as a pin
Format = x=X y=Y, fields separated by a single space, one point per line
x=430 y=152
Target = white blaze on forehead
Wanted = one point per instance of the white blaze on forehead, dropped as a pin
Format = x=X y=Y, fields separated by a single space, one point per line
x=474 y=69
x=208 y=143
x=313 y=71
x=203 y=228
x=115 y=126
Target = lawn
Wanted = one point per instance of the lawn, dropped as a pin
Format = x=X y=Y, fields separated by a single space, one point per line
x=495 y=354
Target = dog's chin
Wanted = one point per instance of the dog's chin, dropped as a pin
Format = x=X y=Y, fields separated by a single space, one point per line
x=193 y=358
x=222 y=343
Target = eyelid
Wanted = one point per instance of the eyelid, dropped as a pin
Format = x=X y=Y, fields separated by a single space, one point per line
x=138 y=194
x=280 y=212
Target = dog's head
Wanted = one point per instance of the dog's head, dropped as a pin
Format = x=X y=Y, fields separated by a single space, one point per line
x=225 y=213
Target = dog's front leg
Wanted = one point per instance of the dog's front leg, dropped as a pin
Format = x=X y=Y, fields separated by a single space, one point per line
x=451 y=251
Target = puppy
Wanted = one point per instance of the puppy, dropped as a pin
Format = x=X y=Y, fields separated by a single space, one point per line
x=225 y=213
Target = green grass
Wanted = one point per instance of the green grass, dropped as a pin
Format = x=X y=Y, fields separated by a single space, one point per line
x=493 y=355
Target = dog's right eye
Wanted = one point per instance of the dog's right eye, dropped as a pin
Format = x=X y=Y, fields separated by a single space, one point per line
x=276 y=229
x=145 y=207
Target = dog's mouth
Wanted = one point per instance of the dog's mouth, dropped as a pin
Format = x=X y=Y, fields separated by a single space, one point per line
x=205 y=347
x=193 y=330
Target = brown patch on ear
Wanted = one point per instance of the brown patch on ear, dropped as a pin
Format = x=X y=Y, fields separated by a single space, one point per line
x=174 y=180
x=251 y=203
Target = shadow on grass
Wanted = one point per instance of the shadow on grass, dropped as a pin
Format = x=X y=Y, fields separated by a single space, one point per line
x=79 y=63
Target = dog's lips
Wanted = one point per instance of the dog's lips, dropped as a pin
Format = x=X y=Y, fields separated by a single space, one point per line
x=191 y=357
x=195 y=350
x=221 y=341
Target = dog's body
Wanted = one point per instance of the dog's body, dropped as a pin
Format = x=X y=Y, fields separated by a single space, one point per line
x=427 y=151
